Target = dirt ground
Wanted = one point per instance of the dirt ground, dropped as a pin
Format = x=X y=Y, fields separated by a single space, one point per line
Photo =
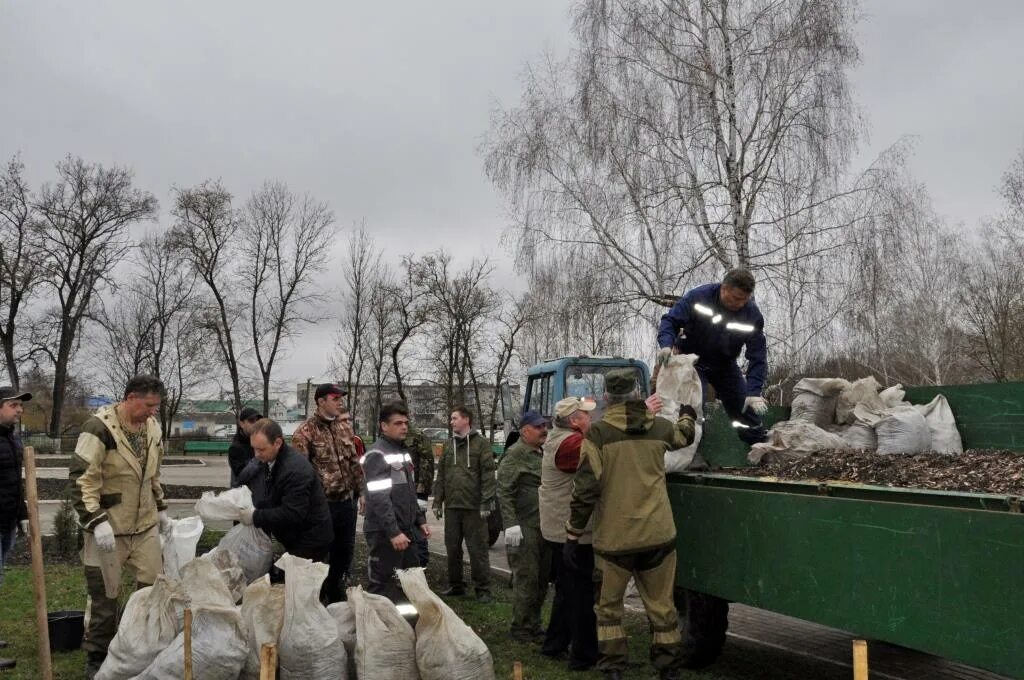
x=983 y=471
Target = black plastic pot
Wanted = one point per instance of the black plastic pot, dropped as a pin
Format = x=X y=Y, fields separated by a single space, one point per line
x=66 y=630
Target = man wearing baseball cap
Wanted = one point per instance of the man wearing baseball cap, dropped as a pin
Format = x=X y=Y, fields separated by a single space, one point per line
x=13 y=509
x=241 y=460
x=528 y=554
x=327 y=441
x=572 y=628
x=620 y=486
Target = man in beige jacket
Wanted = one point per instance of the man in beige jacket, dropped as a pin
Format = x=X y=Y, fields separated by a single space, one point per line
x=572 y=629
x=115 y=486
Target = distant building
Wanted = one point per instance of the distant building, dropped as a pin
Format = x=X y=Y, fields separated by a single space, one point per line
x=427 y=404
x=216 y=418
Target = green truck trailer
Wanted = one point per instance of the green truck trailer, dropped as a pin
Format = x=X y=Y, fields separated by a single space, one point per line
x=935 y=571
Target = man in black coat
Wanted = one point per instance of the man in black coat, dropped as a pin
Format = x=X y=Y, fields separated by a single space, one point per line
x=244 y=466
x=294 y=507
x=13 y=510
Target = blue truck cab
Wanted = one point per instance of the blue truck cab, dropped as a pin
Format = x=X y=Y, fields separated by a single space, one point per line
x=576 y=376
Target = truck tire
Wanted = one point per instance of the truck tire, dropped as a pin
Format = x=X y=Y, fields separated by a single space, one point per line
x=494 y=526
x=704 y=619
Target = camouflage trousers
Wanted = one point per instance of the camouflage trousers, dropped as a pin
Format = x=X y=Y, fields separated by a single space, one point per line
x=655 y=573
x=459 y=525
x=531 y=571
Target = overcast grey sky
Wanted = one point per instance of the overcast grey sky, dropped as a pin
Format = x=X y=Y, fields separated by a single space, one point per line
x=378 y=107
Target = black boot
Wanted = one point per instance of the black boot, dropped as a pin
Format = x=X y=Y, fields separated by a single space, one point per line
x=453 y=591
x=7 y=664
x=93 y=661
x=612 y=675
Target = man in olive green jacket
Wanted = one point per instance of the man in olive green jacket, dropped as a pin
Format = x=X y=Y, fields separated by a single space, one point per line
x=115 y=488
x=528 y=554
x=620 y=482
x=464 y=496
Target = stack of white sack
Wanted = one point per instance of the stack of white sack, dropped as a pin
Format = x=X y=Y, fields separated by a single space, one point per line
x=833 y=413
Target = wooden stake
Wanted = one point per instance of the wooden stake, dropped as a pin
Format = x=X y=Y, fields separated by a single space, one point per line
x=860 y=660
x=268 y=661
x=38 y=574
x=188 y=644
x=517 y=670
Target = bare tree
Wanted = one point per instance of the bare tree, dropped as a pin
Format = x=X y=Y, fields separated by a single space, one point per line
x=510 y=321
x=660 y=141
x=287 y=242
x=84 y=218
x=460 y=303
x=20 y=261
x=361 y=268
x=412 y=313
x=379 y=336
x=204 y=237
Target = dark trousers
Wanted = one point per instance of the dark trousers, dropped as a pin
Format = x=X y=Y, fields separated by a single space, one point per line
x=573 y=624
x=731 y=389
x=384 y=560
x=343 y=518
x=467 y=525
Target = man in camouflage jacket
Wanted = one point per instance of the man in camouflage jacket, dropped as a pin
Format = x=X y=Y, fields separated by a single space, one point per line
x=327 y=441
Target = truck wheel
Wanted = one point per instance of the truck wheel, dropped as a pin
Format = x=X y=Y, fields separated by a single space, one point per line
x=704 y=619
x=494 y=526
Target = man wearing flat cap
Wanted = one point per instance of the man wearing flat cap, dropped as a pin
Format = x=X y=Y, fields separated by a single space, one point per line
x=13 y=510
x=572 y=630
x=528 y=555
x=620 y=487
x=327 y=440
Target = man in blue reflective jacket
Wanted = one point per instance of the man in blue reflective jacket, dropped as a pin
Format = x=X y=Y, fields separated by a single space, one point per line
x=715 y=321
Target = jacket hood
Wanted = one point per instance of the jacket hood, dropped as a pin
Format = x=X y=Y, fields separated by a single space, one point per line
x=631 y=417
x=469 y=435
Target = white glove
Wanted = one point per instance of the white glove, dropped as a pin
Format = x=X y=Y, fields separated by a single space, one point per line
x=513 y=536
x=485 y=513
x=23 y=525
x=166 y=523
x=664 y=354
x=756 y=405
x=246 y=516
x=422 y=504
x=104 y=534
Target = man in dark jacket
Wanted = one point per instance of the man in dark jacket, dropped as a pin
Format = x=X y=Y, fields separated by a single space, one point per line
x=715 y=322
x=394 y=521
x=464 y=496
x=13 y=510
x=244 y=466
x=294 y=509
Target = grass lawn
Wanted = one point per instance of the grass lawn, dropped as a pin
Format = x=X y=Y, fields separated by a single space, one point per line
x=66 y=590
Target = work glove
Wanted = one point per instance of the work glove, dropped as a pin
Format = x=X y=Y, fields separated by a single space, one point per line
x=664 y=354
x=513 y=536
x=687 y=410
x=569 y=554
x=23 y=526
x=756 y=405
x=246 y=516
x=485 y=513
x=421 y=504
x=104 y=535
x=166 y=523
x=438 y=511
